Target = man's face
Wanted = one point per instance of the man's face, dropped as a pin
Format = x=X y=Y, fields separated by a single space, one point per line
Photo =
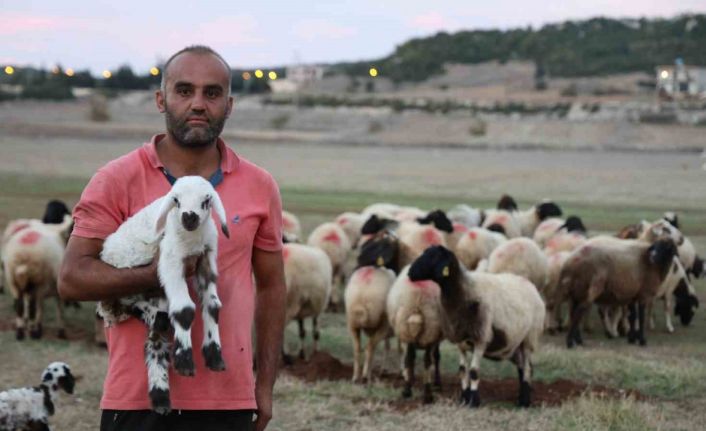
x=197 y=101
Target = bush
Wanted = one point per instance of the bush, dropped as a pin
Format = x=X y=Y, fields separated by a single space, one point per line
x=280 y=121
x=374 y=126
x=99 y=108
x=478 y=127
x=48 y=90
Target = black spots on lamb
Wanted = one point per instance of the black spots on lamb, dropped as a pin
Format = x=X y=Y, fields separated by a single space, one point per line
x=375 y=224
x=496 y=227
x=380 y=251
x=439 y=219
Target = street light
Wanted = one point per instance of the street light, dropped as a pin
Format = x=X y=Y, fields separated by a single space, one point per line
x=9 y=70
x=106 y=74
x=69 y=72
x=259 y=73
x=154 y=71
x=272 y=75
x=246 y=76
x=373 y=72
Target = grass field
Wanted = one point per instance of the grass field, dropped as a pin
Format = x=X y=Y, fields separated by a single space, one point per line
x=668 y=377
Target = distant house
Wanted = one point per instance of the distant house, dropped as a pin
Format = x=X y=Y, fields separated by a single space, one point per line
x=297 y=77
x=681 y=81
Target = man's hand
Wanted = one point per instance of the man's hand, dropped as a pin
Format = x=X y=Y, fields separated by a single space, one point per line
x=263 y=397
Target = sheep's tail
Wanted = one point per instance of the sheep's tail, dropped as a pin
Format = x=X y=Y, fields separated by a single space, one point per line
x=359 y=316
x=415 y=322
x=21 y=277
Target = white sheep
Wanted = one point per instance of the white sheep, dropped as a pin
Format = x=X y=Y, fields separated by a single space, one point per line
x=307 y=272
x=177 y=225
x=553 y=294
x=497 y=316
x=380 y=209
x=332 y=239
x=291 y=227
x=351 y=223
x=467 y=216
x=523 y=257
x=502 y=221
x=31 y=262
x=477 y=244
x=29 y=408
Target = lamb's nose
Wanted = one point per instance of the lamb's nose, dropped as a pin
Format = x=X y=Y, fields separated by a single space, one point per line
x=190 y=220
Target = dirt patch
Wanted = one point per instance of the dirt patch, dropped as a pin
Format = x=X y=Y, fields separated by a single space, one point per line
x=323 y=366
x=73 y=333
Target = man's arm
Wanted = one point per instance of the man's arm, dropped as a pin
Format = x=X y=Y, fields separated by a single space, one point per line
x=270 y=303
x=84 y=277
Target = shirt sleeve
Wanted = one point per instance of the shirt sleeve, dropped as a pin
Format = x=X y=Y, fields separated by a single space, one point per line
x=269 y=233
x=101 y=209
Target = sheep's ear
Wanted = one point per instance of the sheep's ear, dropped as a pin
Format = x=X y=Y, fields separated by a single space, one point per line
x=168 y=203
x=221 y=213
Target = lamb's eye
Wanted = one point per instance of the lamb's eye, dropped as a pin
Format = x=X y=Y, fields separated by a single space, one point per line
x=206 y=203
x=176 y=201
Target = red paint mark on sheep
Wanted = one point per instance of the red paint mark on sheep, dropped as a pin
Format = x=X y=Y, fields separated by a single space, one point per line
x=501 y=219
x=365 y=274
x=285 y=252
x=458 y=227
x=332 y=237
x=30 y=237
x=342 y=221
x=473 y=234
x=287 y=222
x=18 y=227
x=432 y=237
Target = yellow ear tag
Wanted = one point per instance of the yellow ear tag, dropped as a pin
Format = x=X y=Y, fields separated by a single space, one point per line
x=380 y=261
x=445 y=271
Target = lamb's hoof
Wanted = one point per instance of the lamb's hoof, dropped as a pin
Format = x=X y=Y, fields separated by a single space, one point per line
x=160 y=401
x=19 y=334
x=36 y=333
x=427 y=398
x=184 y=361
x=161 y=322
x=475 y=399
x=213 y=358
x=465 y=397
x=570 y=343
x=407 y=392
x=61 y=334
x=643 y=342
x=525 y=391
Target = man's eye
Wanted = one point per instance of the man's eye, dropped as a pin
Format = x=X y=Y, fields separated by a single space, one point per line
x=183 y=91
x=212 y=93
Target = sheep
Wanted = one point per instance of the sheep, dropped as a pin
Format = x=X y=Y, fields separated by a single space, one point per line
x=332 y=239
x=29 y=408
x=477 y=244
x=418 y=235
x=351 y=223
x=554 y=295
x=675 y=283
x=523 y=223
x=381 y=209
x=291 y=227
x=467 y=216
x=530 y=219
x=502 y=221
x=31 y=262
x=520 y=256
x=307 y=272
x=570 y=236
x=177 y=225
x=497 y=316
x=414 y=313
x=405 y=214
x=615 y=272
x=547 y=229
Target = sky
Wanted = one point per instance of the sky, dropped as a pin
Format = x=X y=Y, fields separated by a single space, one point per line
x=100 y=34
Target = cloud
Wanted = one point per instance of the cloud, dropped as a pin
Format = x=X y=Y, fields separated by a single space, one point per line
x=433 y=21
x=311 y=29
x=16 y=24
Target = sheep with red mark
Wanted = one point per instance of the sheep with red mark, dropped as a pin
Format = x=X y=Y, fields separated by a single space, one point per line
x=466 y=215
x=497 y=316
x=529 y=219
x=291 y=227
x=477 y=244
x=523 y=257
x=568 y=237
x=615 y=272
x=351 y=223
x=379 y=261
x=307 y=273
x=502 y=221
x=553 y=293
x=332 y=239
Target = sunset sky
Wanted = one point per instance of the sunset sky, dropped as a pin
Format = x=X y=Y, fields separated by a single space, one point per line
x=101 y=34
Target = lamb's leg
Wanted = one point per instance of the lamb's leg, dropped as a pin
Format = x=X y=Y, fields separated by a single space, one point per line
x=20 y=319
x=302 y=338
x=524 y=374
x=573 y=337
x=437 y=365
x=157 y=361
x=373 y=341
x=35 y=329
x=408 y=372
x=210 y=307
x=385 y=353
x=632 y=316
x=641 y=319
x=428 y=398
x=181 y=312
x=463 y=367
x=667 y=313
x=315 y=333
x=355 y=336
x=152 y=315
x=474 y=396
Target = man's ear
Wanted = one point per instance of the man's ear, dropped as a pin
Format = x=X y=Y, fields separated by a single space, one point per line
x=229 y=108
x=159 y=99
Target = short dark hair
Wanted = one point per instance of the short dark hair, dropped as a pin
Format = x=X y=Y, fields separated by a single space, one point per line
x=196 y=49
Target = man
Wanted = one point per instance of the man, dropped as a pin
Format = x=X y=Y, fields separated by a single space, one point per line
x=195 y=98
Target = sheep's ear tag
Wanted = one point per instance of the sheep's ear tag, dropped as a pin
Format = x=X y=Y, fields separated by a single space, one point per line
x=445 y=271
x=380 y=261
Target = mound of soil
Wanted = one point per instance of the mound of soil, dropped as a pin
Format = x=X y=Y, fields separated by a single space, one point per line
x=323 y=366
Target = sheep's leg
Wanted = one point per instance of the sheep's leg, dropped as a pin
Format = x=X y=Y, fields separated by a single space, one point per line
x=437 y=365
x=650 y=315
x=19 y=319
x=315 y=332
x=632 y=316
x=667 y=313
x=355 y=335
x=370 y=352
x=641 y=320
x=573 y=337
x=524 y=374
x=428 y=374
x=157 y=361
x=153 y=316
x=210 y=308
x=385 y=354
x=478 y=351
x=302 y=338
x=408 y=372
x=463 y=367
x=35 y=328
x=181 y=312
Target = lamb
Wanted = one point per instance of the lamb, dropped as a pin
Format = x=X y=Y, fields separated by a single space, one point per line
x=521 y=223
x=307 y=272
x=30 y=408
x=366 y=294
x=570 y=236
x=520 y=256
x=554 y=295
x=467 y=216
x=414 y=313
x=333 y=240
x=31 y=262
x=615 y=272
x=497 y=316
x=291 y=227
x=675 y=283
x=351 y=223
x=177 y=225
x=476 y=245
x=502 y=221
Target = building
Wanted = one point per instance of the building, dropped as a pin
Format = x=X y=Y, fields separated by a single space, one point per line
x=680 y=81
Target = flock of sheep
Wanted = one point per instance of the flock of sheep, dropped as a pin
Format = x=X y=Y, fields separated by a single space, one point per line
x=490 y=281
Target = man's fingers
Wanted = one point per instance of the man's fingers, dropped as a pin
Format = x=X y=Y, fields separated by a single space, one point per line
x=262 y=421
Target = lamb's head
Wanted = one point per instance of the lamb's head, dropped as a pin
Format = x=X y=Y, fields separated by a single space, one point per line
x=672 y=218
x=439 y=265
x=686 y=301
x=507 y=203
x=439 y=219
x=375 y=224
x=382 y=250
x=547 y=209
x=662 y=229
x=574 y=224
x=661 y=254
x=192 y=198
x=58 y=376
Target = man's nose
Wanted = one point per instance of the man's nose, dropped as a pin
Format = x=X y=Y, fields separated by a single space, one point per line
x=198 y=103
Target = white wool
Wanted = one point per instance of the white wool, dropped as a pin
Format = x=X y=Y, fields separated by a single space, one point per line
x=520 y=256
x=477 y=244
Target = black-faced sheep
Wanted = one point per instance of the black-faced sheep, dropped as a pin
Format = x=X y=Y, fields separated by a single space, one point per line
x=498 y=316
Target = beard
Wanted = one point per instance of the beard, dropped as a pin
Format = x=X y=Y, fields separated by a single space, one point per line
x=193 y=137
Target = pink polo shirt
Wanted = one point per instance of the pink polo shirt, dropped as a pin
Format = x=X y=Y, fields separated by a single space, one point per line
x=254 y=211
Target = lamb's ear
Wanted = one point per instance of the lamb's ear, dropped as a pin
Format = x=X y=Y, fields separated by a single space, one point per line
x=168 y=203
x=221 y=213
